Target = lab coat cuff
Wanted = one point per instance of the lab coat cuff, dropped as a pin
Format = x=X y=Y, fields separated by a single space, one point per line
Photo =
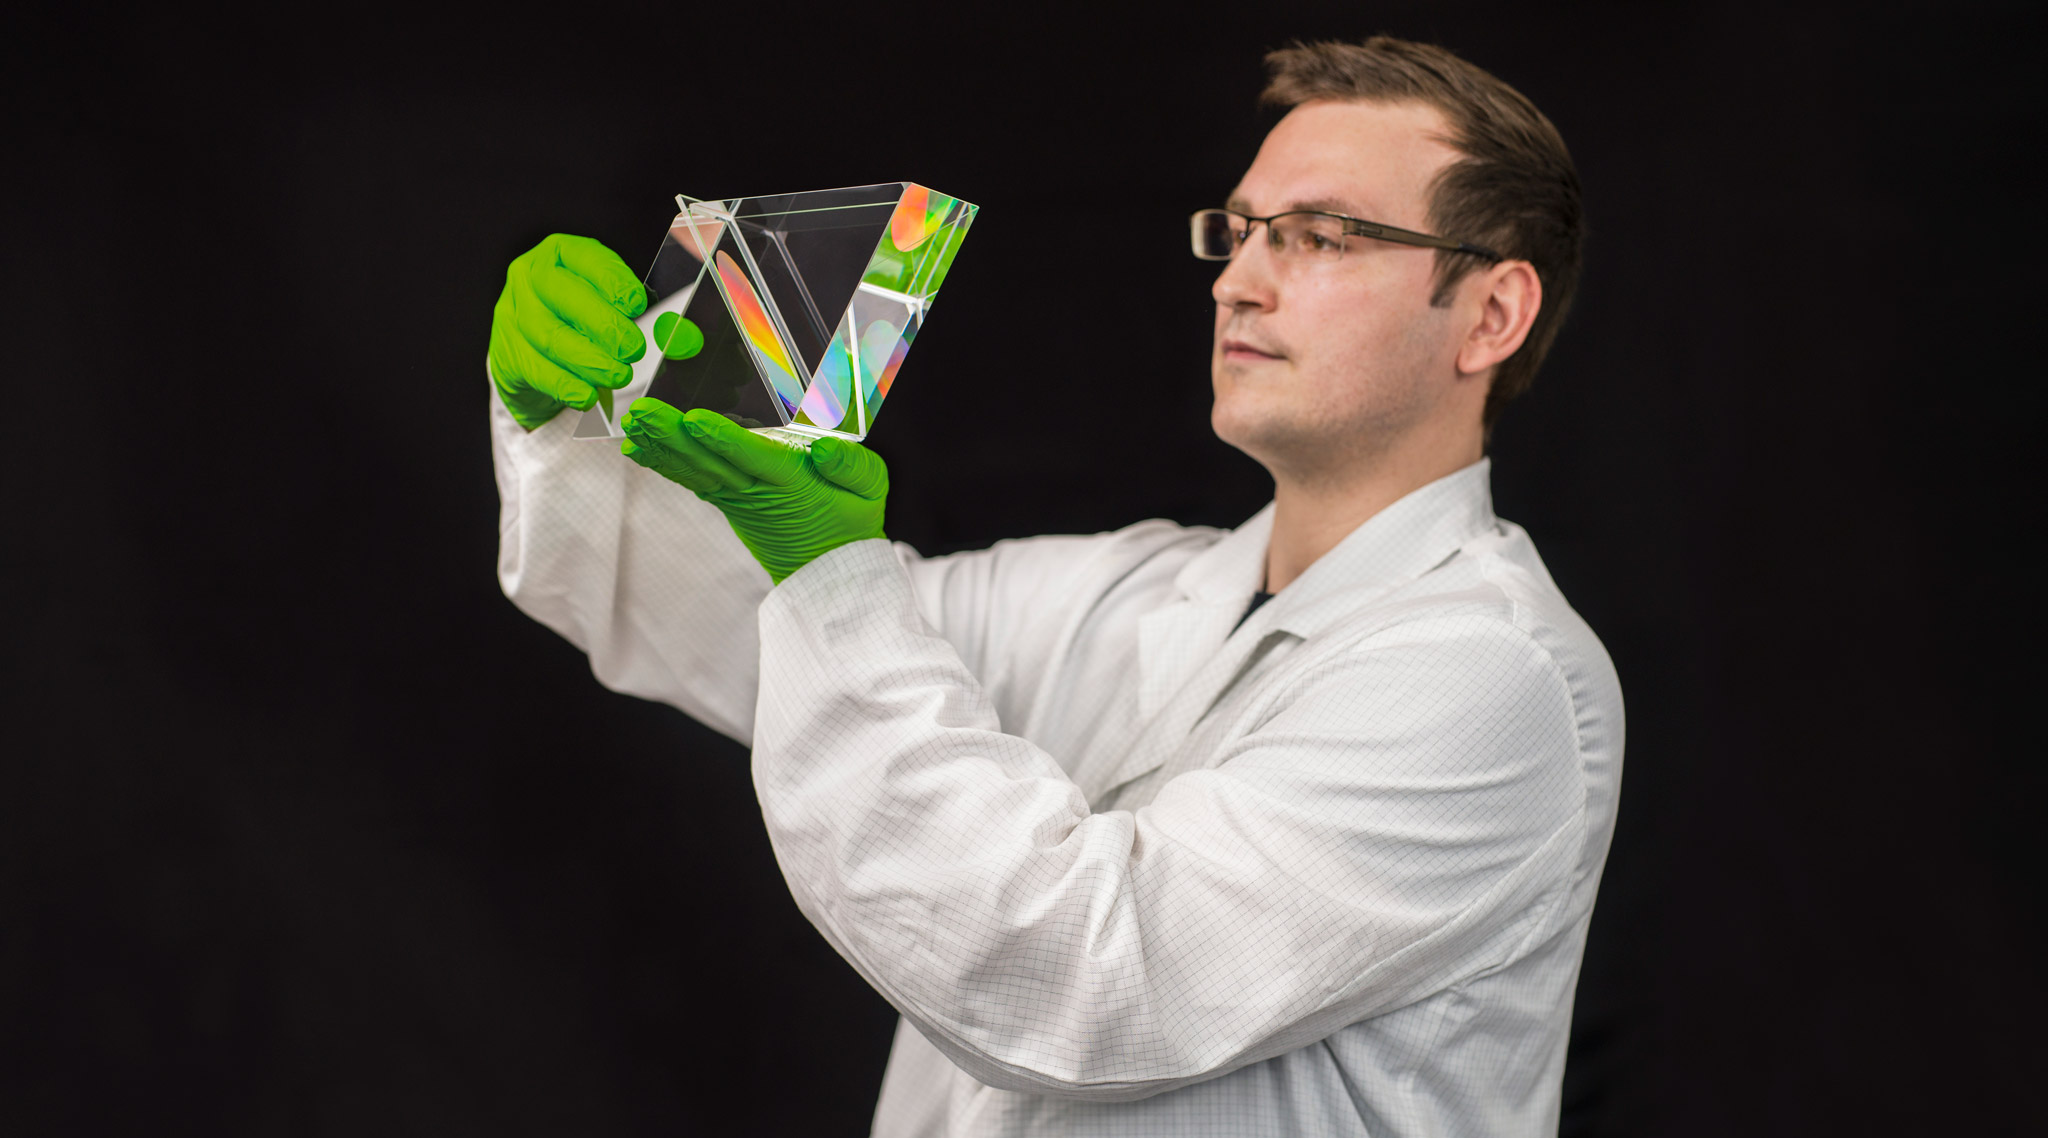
x=860 y=576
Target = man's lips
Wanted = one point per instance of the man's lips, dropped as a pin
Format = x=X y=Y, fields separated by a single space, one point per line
x=1239 y=350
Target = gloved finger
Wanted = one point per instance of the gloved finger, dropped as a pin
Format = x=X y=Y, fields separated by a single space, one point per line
x=567 y=351
x=578 y=304
x=751 y=452
x=529 y=408
x=658 y=426
x=545 y=333
x=534 y=386
x=851 y=466
x=595 y=263
x=548 y=377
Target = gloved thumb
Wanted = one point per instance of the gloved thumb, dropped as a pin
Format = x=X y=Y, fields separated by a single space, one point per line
x=752 y=453
x=653 y=419
x=655 y=439
x=851 y=466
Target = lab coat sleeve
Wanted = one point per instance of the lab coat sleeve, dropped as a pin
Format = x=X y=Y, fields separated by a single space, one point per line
x=1406 y=817
x=1007 y=610
x=640 y=574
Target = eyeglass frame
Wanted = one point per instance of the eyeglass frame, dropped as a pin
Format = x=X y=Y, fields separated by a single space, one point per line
x=1373 y=229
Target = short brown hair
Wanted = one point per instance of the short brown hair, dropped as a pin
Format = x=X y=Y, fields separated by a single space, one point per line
x=1515 y=190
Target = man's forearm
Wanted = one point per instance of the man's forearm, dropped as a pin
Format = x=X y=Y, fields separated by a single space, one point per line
x=635 y=571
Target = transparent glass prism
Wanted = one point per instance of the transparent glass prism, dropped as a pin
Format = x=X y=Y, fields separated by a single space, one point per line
x=790 y=314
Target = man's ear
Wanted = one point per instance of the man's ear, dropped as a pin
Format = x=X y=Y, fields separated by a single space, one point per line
x=1509 y=296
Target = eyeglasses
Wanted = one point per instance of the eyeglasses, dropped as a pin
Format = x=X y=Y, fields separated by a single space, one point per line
x=1306 y=235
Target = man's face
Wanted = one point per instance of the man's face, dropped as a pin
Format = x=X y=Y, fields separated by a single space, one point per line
x=1317 y=363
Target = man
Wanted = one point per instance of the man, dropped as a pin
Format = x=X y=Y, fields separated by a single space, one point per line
x=1288 y=830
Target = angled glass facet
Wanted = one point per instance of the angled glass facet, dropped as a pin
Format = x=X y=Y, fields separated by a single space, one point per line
x=792 y=313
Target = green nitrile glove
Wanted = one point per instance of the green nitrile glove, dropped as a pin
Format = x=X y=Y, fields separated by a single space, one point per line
x=563 y=330
x=788 y=507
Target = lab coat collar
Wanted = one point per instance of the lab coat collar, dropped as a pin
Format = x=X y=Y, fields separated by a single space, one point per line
x=1403 y=541
x=1210 y=594
x=1230 y=571
x=1191 y=649
x=1417 y=533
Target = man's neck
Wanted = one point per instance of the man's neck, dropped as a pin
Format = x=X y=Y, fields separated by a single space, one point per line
x=1311 y=515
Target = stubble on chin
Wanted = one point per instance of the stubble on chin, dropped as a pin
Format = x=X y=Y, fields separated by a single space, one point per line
x=1297 y=438
x=1251 y=412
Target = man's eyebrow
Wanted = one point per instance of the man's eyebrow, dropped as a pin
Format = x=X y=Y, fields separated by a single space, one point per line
x=1320 y=205
x=1328 y=205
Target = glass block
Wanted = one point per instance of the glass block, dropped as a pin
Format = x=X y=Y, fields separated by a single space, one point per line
x=791 y=314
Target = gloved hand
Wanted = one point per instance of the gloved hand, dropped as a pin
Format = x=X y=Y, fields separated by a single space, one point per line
x=788 y=507
x=563 y=330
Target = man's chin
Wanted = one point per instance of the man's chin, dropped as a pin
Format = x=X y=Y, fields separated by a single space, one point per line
x=1262 y=436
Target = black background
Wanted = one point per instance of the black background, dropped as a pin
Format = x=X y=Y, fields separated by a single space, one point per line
x=307 y=831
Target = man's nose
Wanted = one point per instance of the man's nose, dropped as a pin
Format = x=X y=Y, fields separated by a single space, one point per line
x=1250 y=279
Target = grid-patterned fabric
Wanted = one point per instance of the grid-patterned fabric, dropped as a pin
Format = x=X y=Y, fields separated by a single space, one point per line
x=1124 y=869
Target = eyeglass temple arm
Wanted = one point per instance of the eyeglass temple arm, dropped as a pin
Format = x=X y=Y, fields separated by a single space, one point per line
x=1410 y=237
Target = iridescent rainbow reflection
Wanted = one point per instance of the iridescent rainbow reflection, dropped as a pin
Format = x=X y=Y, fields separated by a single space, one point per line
x=825 y=403
x=760 y=332
x=918 y=215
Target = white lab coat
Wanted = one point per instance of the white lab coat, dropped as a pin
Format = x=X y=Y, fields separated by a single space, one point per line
x=1123 y=869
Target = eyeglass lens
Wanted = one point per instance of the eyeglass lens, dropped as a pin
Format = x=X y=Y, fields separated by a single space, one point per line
x=1304 y=236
